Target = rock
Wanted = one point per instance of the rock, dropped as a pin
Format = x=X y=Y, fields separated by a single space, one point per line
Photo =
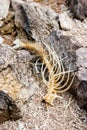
x=82 y=94
x=43 y=18
x=15 y=76
x=21 y=126
x=4 y=7
x=81 y=57
x=78 y=8
x=1 y=40
x=73 y=28
x=82 y=63
x=66 y=43
x=14 y=68
x=8 y=108
x=80 y=90
x=66 y=23
x=81 y=54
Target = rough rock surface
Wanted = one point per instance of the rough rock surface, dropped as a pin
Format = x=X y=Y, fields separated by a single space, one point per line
x=82 y=63
x=68 y=24
x=8 y=108
x=44 y=18
x=65 y=43
x=77 y=32
x=14 y=67
x=4 y=9
x=54 y=4
x=78 y=8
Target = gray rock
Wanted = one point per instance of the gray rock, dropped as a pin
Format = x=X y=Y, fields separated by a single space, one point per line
x=19 y=61
x=81 y=62
x=16 y=81
x=78 y=8
x=66 y=23
x=82 y=94
x=4 y=7
x=8 y=108
x=43 y=18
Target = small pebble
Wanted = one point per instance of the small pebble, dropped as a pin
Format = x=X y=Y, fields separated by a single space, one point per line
x=21 y=126
x=1 y=40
